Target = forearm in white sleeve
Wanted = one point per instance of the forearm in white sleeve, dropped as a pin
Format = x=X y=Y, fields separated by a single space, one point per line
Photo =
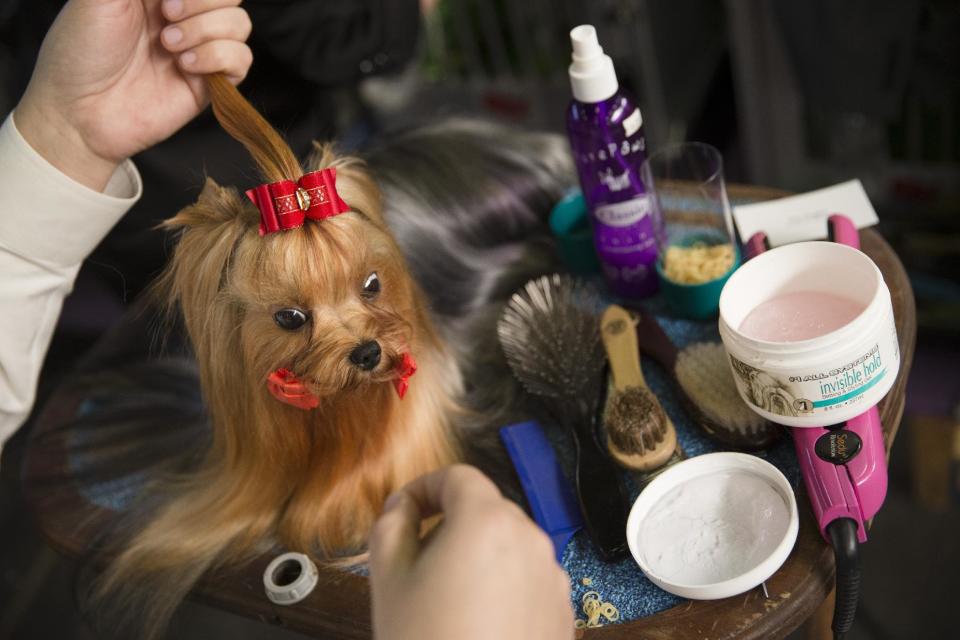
x=48 y=225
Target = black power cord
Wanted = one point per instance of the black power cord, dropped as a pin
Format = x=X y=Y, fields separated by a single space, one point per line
x=846 y=552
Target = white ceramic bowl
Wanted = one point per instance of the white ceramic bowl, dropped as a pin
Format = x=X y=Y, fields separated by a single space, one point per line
x=729 y=465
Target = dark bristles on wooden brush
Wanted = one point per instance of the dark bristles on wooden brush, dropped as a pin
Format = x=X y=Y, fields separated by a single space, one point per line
x=640 y=434
x=626 y=422
x=550 y=334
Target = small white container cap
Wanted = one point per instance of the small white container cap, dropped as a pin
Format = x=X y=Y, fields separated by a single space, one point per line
x=302 y=574
x=706 y=465
x=592 y=76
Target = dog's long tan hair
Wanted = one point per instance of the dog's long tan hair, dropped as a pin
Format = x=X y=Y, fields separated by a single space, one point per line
x=312 y=480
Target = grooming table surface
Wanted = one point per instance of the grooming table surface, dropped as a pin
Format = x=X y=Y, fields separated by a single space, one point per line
x=340 y=605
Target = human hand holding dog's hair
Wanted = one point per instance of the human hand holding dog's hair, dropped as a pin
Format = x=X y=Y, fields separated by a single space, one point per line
x=486 y=571
x=115 y=77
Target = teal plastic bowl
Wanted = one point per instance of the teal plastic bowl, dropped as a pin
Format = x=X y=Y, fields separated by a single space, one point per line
x=570 y=224
x=695 y=301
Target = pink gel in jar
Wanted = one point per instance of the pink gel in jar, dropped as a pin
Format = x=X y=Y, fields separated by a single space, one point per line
x=801 y=315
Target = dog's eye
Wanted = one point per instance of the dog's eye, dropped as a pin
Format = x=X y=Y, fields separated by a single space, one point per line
x=290 y=319
x=371 y=285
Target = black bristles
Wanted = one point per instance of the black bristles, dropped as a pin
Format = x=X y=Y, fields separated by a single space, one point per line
x=550 y=334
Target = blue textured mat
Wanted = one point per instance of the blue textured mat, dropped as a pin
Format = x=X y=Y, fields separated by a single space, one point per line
x=622 y=583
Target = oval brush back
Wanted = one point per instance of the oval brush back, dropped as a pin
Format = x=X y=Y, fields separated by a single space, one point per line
x=550 y=334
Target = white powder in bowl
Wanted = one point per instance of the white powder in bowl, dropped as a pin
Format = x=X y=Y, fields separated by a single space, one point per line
x=713 y=528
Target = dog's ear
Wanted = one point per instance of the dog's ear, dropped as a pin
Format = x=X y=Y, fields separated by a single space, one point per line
x=216 y=205
x=210 y=232
x=211 y=193
x=354 y=183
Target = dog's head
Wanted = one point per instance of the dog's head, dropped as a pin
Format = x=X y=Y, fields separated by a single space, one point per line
x=330 y=304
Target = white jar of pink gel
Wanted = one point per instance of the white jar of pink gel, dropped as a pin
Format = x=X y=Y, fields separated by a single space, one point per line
x=810 y=334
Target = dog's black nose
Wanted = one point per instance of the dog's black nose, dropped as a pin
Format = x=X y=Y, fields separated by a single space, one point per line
x=366 y=356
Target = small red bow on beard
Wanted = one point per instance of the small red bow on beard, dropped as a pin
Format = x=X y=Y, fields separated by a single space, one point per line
x=286 y=204
x=284 y=385
x=287 y=388
x=406 y=368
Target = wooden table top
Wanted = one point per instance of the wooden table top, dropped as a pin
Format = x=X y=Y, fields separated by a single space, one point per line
x=340 y=604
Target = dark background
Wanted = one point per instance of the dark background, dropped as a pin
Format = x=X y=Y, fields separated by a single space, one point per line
x=797 y=95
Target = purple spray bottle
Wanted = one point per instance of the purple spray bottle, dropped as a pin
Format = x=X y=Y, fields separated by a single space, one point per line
x=606 y=135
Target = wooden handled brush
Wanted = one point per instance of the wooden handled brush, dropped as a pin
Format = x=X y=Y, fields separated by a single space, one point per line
x=640 y=434
x=702 y=375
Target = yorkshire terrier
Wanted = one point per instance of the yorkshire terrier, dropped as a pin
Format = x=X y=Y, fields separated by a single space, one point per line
x=326 y=383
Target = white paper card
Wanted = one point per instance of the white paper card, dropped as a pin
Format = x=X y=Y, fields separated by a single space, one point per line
x=804 y=216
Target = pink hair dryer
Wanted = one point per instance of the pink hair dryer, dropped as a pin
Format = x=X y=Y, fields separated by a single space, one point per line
x=844 y=468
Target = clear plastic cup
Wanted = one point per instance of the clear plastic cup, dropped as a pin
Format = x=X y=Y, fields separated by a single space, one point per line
x=698 y=250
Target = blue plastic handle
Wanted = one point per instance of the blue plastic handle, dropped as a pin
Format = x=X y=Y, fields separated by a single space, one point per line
x=552 y=502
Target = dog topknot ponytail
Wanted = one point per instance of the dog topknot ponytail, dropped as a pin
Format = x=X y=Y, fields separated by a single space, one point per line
x=243 y=122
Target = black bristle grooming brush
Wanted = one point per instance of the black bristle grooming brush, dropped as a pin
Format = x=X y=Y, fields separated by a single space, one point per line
x=550 y=334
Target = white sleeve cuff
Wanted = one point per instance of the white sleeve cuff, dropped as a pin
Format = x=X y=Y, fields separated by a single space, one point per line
x=48 y=217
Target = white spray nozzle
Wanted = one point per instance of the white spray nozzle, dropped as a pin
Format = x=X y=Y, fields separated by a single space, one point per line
x=585 y=43
x=592 y=77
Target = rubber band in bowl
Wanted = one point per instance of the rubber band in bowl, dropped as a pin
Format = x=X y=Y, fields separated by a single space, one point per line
x=695 y=301
x=290 y=578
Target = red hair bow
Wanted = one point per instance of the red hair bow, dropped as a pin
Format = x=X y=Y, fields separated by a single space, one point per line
x=286 y=204
x=406 y=368
x=288 y=389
